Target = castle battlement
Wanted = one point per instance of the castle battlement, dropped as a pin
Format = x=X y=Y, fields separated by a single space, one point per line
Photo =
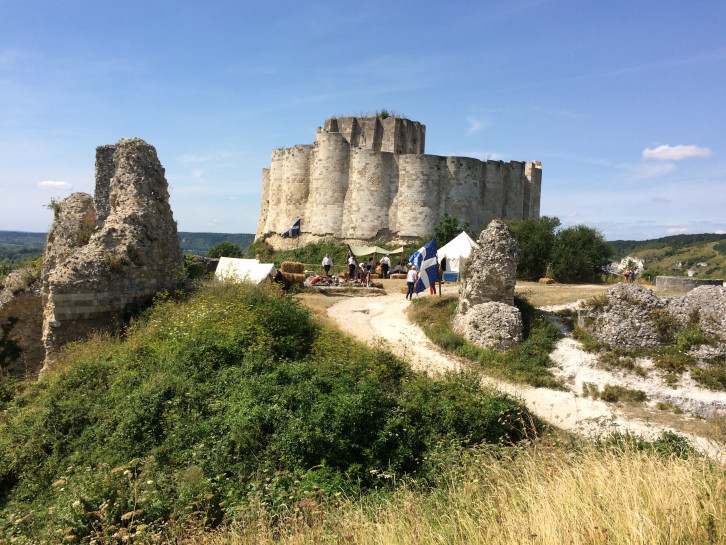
x=367 y=179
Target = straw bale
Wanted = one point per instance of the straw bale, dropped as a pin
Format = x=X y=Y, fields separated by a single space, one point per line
x=404 y=288
x=399 y=276
x=546 y=281
x=293 y=267
x=294 y=278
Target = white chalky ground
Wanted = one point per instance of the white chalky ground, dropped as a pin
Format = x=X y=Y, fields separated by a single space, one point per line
x=383 y=320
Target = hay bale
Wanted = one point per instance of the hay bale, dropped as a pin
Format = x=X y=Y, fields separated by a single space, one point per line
x=399 y=276
x=374 y=276
x=293 y=267
x=297 y=279
x=404 y=289
x=546 y=281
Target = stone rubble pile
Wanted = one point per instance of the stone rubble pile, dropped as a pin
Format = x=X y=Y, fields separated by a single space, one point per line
x=487 y=316
x=634 y=316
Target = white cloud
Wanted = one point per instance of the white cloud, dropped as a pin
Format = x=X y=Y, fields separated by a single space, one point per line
x=674 y=153
x=49 y=184
x=643 y=171
x=477 y=123
x=677 y=230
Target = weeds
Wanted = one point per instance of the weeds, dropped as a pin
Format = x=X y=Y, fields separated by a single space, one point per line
x=613 y=394
x=526 y=363
x=231 y=398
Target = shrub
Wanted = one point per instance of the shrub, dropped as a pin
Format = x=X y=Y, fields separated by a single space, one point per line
x=225 y=249
x=230 y=398
x=614 y=394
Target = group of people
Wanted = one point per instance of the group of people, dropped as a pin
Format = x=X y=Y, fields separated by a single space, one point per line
x=385 y=263
x=367 y=266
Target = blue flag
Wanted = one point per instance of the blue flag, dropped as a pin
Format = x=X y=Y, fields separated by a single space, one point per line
x=427 y=264
x=293 y=231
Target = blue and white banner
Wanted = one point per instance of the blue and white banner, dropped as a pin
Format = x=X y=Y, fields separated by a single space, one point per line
x=427 y=264
x=293 y=231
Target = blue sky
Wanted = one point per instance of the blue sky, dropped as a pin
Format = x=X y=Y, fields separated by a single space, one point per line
x=623 y=102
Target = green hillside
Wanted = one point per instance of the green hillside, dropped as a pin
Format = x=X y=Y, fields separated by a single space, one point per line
x=677 y=254
x=17 y=246
x=232 y=398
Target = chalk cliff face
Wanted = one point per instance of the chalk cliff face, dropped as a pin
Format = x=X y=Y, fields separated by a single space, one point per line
x=368 y=179
x=93 y=279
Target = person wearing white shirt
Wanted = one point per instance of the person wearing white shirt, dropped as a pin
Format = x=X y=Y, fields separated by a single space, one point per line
x=411 y=281
x=327 y=263
x=385 y=265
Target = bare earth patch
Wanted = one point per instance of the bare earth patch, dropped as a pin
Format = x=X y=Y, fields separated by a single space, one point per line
x=382 y=320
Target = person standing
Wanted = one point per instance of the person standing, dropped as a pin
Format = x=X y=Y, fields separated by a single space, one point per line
x=411 y=281
x=608 y=270
x=385 y=265
x=351 y=267
x=327 y=263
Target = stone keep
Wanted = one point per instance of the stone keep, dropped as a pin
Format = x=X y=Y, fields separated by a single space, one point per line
x=367 y=179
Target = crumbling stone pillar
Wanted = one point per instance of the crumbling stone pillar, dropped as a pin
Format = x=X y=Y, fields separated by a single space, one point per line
x=487 y=316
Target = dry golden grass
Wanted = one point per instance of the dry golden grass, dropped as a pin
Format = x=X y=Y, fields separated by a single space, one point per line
x=558 y=294
x=542 y=495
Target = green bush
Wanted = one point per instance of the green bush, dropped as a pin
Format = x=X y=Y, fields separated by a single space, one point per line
x=225 y=249
x=536 y=238
x=232 y=397
x=579 y=254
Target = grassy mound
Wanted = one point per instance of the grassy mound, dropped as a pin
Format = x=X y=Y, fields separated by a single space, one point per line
x=526 y=363
x=232 y=398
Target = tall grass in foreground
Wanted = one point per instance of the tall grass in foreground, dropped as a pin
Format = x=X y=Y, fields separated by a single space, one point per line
x=540 y=495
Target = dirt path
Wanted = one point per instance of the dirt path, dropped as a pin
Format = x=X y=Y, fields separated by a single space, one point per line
x=383 y=320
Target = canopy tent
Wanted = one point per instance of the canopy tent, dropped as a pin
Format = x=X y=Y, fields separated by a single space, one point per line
x=240 y=270
x=360 y=251
x=456 y=251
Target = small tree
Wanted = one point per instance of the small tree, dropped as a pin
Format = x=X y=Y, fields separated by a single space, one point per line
x=225 y=249
x=536 y=239
x=447 y=229
x=579 y=254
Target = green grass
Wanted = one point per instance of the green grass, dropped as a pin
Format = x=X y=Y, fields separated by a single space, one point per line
x=230 y=398
x=527 y=363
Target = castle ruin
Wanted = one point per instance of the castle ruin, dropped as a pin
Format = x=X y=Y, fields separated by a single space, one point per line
x=105 y=258
x=368 y=179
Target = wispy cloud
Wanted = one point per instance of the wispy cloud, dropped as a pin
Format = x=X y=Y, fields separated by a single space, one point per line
x=477 y=123
x=644 y=171
x=50 y=184
x=677 y=230
x=190 y=158
x=674 y=153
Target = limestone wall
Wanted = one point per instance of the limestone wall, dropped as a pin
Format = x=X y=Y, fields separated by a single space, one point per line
x=104 y=173
x=681 y=283
x=368 y=179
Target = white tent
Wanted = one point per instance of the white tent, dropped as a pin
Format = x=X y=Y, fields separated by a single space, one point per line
x=456 y=251
x=250 y=270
